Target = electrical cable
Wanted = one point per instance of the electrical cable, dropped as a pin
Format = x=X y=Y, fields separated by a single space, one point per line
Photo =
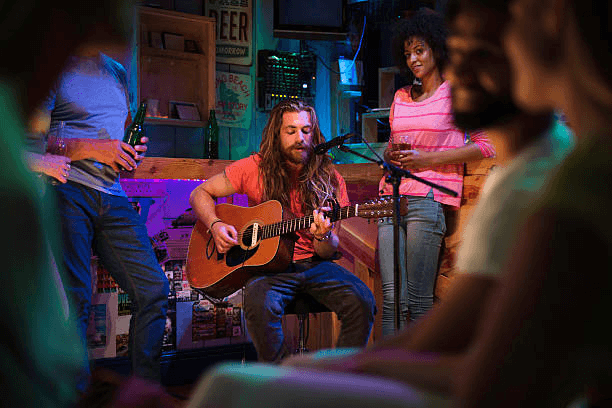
x=354 y=58
x=358 y=48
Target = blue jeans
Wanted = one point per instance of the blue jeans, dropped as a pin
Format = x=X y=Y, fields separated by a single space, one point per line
x=421 y=232
x=328 y=283
x=113 y=229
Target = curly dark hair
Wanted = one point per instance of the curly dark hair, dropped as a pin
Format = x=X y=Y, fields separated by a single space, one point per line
x=428 y=25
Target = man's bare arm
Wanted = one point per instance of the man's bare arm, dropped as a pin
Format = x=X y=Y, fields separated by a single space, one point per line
x=202 y=202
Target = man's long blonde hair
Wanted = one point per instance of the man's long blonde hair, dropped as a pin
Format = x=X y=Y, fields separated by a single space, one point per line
x=317 y=181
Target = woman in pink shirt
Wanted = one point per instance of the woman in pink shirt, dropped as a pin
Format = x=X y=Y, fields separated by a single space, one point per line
x=425 y=141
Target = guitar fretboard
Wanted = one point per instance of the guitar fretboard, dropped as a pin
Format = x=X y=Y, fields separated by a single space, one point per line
x=296 y=224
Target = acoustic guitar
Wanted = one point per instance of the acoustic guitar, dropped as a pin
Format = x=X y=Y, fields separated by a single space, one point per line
x=265 y=239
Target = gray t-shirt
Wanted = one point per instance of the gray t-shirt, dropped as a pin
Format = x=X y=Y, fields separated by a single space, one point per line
x=505 y=200
x=91 y=99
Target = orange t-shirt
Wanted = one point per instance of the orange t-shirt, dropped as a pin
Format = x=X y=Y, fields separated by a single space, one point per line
x=245 y=178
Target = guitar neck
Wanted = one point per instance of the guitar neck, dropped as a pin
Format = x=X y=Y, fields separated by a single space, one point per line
x=296 y=224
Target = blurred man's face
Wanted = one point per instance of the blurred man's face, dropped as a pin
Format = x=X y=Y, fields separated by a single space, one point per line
x=478 y=71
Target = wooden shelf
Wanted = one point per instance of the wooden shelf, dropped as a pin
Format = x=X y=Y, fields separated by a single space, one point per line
x=156 y=52
x=386 y=86
x=369 y=123
x=169 y=75
x=174 y=122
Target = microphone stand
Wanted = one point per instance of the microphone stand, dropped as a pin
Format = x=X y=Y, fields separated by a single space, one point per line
x=394 y=177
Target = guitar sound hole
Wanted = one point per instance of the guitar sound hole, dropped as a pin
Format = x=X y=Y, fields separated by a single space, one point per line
x=247 y=236
x=237 y=256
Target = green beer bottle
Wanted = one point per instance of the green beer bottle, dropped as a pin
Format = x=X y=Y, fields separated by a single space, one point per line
x=135 y=131
x=211 y=137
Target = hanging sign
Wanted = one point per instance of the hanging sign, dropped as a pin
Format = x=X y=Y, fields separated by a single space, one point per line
x=234 y=38
x=234 y=99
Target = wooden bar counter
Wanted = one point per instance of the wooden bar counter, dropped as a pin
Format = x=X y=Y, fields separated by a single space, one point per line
x=358 y=237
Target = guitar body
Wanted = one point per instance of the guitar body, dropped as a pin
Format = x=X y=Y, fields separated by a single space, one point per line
x=266 y=235
x=220 y=275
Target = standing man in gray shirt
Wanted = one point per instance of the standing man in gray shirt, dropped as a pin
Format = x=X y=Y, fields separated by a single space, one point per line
x=90 y=105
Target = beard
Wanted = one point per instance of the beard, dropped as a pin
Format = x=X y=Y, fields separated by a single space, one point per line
x=295 y=156
x=490 y=112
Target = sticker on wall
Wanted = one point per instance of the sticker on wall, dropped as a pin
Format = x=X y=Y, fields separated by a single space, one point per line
x=234 y=39
x=234 y=99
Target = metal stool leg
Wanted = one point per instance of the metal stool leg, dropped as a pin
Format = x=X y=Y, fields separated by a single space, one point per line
x=301 y=306
x=302 y=334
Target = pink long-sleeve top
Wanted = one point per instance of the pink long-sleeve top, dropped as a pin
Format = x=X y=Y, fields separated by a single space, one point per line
x=428 y=126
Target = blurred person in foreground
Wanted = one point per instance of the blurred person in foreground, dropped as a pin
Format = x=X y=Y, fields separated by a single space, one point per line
x=42 y=354
x=544 y=341
x=87 y=111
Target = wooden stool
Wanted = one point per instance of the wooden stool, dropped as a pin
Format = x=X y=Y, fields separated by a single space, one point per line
x=302 y=305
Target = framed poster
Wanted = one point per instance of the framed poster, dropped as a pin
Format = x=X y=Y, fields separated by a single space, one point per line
x=234 y=37
x=234 y=99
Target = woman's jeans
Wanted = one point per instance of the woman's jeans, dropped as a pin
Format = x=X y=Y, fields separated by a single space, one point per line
x=421 y=232
x=328 y=283
x=114 y=230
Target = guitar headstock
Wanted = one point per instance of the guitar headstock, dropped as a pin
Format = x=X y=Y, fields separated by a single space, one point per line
x=381 y=207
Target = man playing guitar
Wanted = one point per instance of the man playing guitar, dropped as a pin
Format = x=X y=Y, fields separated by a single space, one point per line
x=286 y=170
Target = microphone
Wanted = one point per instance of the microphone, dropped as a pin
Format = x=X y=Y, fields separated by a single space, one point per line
x=336 y=141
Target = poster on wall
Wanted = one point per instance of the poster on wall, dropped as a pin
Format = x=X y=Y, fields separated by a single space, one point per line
x=234 y=99
x=102 y=325
x=234 y=40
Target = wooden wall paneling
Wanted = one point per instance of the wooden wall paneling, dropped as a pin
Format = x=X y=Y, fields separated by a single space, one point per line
x=360 y=173
x=189 y=142
x=225 y=140
x=176 y=168
x=241 y=143
x=163 y=141
x=172 y=79
x=358 y=239
x=367 y=276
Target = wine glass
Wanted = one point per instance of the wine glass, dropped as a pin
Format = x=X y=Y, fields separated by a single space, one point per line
x=398 y=146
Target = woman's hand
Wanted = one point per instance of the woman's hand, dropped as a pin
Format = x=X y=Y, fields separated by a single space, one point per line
x=413 y=159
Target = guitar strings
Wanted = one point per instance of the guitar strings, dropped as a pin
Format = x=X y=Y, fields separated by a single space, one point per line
x=279 y=228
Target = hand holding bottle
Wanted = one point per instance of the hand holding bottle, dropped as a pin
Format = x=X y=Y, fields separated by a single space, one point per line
x=141 y=149
x=135 y=132
x=134 y=136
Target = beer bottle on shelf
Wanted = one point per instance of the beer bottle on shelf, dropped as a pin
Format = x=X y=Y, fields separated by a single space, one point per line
x=135 y=131
x=211 y=137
